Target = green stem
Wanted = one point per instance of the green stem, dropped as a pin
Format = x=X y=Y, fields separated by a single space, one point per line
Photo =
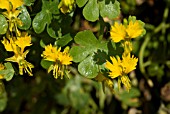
x=141 y=53
x=147 y=63
x=165 y=16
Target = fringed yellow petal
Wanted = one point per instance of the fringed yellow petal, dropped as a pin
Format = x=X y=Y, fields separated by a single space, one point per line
x=134 y=29
x=117 y=32
x=129 y=63
x=16 y=4
x=23 y=42
x=60 y=59
x=50 y=53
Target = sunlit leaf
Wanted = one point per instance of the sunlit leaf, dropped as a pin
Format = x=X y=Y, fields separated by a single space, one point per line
x=111 y=10
x=3 y=24
x=25 y=18
x=81 y=3
x=88 y=68
x=91 y=10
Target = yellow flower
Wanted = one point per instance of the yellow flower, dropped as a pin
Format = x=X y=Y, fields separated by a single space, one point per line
x=64 y=57
x=16 y=4
x=66 y=6
x=121 y=32
x=129 y=63
x=12 y=13
x=115 y=68
x=117 y=32
x=23 y=41
x=22 y=63
x=60 y=60
x=58 y=70
x=4 y=4
x=134 y=29
x=9 y=45
x=17 y=46
x=51 y=53
x=2 y=67
x=10 y=5
x=120 y=68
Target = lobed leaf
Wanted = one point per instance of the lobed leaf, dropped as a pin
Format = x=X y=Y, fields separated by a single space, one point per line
x=44 y=17
x=111 y=10
x=85 y=51
x=3 y=24
x=91 y=11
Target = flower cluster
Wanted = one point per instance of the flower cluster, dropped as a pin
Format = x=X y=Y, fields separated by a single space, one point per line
x=17 y=46
x=15 y=40
x=12 y=13
x=120 y=67
x=60 y=60
x=66 y=6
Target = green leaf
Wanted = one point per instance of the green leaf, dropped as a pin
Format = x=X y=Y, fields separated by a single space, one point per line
x=25 y=18
x=53 y=28
x=51 y=6
x=46 y=64
x=3 y=24
x=8 y=72
x=40 y=21
x=111 y=10
x=79 y=53
x=45 y=16
x=87 y=46
x=88 y=68
x=64 y=40
x=91 y=11
x=42 y=44
x=81 y=3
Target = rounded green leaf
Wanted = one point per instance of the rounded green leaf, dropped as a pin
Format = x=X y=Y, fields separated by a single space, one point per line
x=8 y=73
x=78 y=53
x=3 y=24
x=64 y=40
x=40 y=21
x=111 y=10
x=88 y=68
x=53 y=28
x=86 y=38
x=46 y=64
x=81 y=3
x=87 y=44
x=25 y=18
x=91 y=11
